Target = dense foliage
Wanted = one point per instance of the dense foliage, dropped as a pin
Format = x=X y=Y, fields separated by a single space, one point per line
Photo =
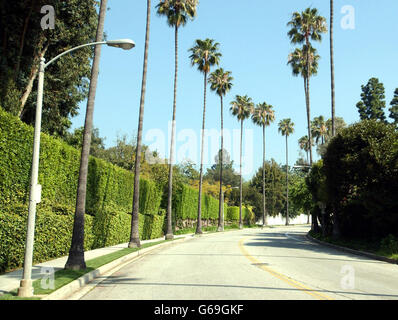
x=24 y=42
x=361 y=179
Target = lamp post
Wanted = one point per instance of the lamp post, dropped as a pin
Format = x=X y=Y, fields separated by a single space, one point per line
x=222 y=198
x=26 y=289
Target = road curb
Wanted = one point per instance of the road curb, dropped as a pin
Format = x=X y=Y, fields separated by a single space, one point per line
x=74 y=286
x=356 y=252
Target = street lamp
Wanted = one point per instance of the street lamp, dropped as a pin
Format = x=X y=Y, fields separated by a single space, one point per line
x=26 y=289
x=222 y=200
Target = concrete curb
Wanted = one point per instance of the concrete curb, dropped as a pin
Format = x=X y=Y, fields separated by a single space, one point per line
x=72 y=287
x=356 y=252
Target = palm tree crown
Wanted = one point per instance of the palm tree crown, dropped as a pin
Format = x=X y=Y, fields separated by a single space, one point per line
x=298 y=61
x=242 y=107
x=221 y=81
x=306 y=25
x=205 y=54
x=177 y=12
x=286 y=127
x=319 y=129
x=263 y=114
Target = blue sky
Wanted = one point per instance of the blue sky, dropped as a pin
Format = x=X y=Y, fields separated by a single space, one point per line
x=254 y=44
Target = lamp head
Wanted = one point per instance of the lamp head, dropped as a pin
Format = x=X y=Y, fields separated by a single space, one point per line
x=125 y=44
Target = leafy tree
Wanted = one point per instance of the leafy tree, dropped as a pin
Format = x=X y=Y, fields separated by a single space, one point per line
x=262 y=116
x=97 y=146
x=242 y=108
x=373 y=101
x=286 y=128
x=306 y=26
x=221 y=82
x=361 y=169
x=24 y=43
x=394 y=107
x=177 y=13
x=204 y=55
x=274 y=188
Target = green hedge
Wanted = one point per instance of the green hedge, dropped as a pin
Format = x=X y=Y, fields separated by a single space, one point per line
x=53 y=233
x=248 y=216
x=107 y=184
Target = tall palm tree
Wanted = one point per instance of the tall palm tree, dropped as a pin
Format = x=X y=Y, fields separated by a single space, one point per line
x=221 y=82
x=332 y=67
x=286 y=128
x=177 y=13
x=76 y=252
x=263 y=116
x=204 y=55
x=307 y=26
x=242 y=108
x=134 y=236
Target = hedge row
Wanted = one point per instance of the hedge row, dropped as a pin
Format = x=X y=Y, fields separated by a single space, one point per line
x=186 y=205
x=107 y=184
x=247 y=214
x=53 y=234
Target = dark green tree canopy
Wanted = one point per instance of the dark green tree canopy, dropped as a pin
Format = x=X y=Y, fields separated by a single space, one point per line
x=24 y=42
x=372 y=102
x=394 y=107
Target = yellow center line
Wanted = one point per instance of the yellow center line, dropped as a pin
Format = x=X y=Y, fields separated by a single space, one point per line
x=282 y=277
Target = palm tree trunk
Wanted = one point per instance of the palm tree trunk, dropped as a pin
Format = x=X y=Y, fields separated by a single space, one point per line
x=240 y=170
x=221 y=198
x=287 y=183
x=76 y=253
x=309 y=64
x=134 y=236
x=309 y=120
x=332 y=67
x=199 y=224
x=169 y=232
x=265 y=222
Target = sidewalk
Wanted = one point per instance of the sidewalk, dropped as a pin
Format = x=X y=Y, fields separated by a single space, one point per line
x=10 y=280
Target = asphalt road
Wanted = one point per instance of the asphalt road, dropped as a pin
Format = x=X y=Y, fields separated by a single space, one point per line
x=251 y=264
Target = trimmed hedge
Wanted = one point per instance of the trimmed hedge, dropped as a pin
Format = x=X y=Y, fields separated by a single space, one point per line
x=53 y=234
x=247 y=214
x=107 y=184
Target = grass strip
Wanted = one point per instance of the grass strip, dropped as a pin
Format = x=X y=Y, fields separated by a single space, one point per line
x=357 y=244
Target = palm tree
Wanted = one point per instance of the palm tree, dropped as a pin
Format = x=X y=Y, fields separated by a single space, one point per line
x=306 y=26
x=204 y=55
x=177 y=12
x=286 y=128
x=262 y=116
x=221 y=82
x=319 y=130
x=304 y=145
x=76 y=252
x=332 y=67
x=241 y=108
x=134 y=236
